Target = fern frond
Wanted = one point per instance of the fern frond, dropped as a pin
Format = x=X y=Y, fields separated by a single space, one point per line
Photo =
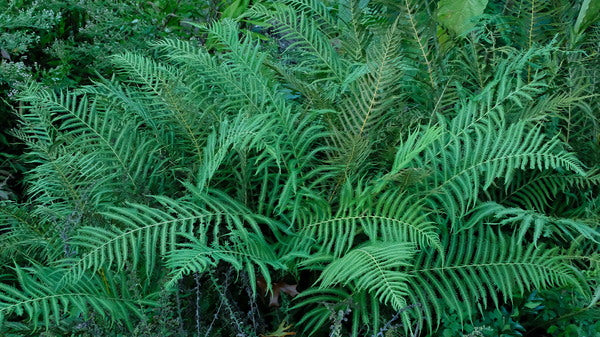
x=163 y=97
x=419 y=38
x=219 y=80
x=374 y=267
x=478 y=147
x=84 y=124
x=43 y=298
x=392 y=217
x=147 y=233
x=245 y=59
x=478 y=266
x=196 y=256
x=23 y=235
x=319 y=11
x=374 y=93
x=541 y=224
x=304 y=34
x=242 y=133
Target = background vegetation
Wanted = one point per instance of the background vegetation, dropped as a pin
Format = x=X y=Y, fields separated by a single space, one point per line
x=326 y=168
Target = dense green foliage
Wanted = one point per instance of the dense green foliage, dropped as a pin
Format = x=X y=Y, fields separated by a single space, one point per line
x=368 y=168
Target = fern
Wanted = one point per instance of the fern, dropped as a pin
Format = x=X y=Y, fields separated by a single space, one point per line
x=45 y=301
x=392 y=218
x=196 y=256
x=304 y=31
x=352 y=152
x=85 y=123
x=375 y=264
x=150 y=233
x=478 y=267
x=541 y=224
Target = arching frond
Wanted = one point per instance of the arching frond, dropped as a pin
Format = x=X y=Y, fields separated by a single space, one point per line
x=391 y=217
x=305 y=35
x=526 y=221
x=373 y=267
x=479 y=266
x=23 y=235
x=147 y=233
x=83 y=123
x=243 y=132
x=474 y=154
x=163 y=99
x=46 y=301
x=196 y=256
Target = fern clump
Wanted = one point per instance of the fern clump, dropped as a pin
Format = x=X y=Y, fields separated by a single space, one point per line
x=341 y=162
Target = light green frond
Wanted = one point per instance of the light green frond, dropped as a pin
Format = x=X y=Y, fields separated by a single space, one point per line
x=92 y=128
x=471 y=159
x=420 y=46
x=158 y=94
x=319 y=11
x=410 y=148
x=305 y=35
x=194 y=257
x=249 y=253
x=241 y=133
x=535 y=225
x=374 y=268
x=478 y=266
x=388 y=217
x=372 y=96
x=41 y=298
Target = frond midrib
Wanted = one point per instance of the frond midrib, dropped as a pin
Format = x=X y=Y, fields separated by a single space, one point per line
x=9 y=308
x=482 y=265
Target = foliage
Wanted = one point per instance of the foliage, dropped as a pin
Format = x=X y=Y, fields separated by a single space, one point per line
x=399 y=173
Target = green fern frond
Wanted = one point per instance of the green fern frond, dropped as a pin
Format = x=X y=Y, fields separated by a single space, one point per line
x=162 y=98
x=23 y=235
x=304 y=34
x=391 y=217
x=43 y=298
x=84 y=124
x=147 y=233
x=241 y=133
x=478 y=266
x=419 y=38
x=320 y=12
x=374 y=93
x=319 y=305
x=245 y=59
x=249 y=254
x=374 y=267
x=541 y=224
x=475 y=151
